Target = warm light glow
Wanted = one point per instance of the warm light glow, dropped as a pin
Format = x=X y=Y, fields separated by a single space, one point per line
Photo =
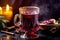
x=0 y=10
x=7 y=11
x=7 y=7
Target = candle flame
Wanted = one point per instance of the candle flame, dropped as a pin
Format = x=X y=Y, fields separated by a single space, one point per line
x=0 y=8
x=7 y=7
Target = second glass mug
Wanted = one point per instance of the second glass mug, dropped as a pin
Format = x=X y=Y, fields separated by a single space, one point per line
x=28 y=21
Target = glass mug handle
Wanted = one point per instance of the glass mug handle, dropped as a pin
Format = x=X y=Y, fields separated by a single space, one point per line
x=15 y=20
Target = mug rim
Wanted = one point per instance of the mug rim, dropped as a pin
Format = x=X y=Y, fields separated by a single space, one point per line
x=29 y=7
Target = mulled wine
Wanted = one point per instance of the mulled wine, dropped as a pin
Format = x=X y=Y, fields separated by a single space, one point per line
x=29 y=21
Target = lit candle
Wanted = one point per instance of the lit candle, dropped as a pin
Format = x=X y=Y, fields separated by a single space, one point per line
x=7 y=7
x=0 y=10
x=8 y=12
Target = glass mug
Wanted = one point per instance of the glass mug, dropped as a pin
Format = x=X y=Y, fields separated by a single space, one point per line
x=28 y=21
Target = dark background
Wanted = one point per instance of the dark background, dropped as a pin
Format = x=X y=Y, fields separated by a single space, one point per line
x=48 y=8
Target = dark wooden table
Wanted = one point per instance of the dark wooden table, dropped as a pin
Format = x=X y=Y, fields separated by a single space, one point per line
x=17 y=37
x=42 y=36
